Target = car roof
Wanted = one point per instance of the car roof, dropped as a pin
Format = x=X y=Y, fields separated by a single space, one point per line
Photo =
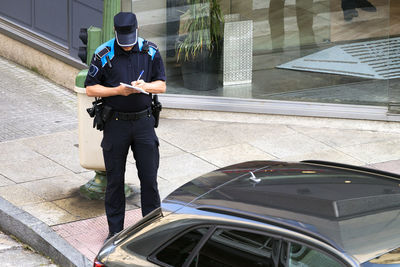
x=344 y=205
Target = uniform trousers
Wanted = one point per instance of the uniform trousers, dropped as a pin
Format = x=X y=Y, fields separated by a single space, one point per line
x=118 y=137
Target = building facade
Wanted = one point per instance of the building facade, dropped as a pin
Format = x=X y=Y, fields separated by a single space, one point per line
x=329 y=58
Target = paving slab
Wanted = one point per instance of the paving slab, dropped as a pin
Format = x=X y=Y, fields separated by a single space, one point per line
x=294 y=144
x=182 y=168
x=55 y=188
x=61 y=148
x=227 y=155
x=12 y=151
x=389 y=166
x=19 y=195
x=49 y=213
x=247 y=132
x=346 y=137
x=176 y=125
x=374 y=152
x=5 y=181
x=80 y=207
x=167 y=149
x=32 y=169
x=199 y=139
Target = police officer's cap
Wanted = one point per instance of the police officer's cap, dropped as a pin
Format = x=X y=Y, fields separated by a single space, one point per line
x=125 y=25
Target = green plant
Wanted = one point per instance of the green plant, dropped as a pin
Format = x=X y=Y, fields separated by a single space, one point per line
x=203 y=28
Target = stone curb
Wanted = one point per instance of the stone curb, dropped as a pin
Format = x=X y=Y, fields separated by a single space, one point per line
x=39 y=236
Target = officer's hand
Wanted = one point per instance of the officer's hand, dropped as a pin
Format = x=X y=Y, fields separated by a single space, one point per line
x=125 y=91
x=141 y=84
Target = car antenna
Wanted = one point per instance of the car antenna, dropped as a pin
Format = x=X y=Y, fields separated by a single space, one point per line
x=254 y=178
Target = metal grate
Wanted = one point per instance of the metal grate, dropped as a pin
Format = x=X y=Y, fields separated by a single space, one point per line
x=238 y=50
x=378 y=59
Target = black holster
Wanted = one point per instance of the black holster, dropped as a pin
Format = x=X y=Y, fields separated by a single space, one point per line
x=156 y=108
x=100 y=113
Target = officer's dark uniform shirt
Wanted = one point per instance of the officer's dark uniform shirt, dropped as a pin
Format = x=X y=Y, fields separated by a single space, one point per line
x=126 y=67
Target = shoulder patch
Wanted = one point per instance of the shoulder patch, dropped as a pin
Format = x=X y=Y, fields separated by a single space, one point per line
x=93 y=70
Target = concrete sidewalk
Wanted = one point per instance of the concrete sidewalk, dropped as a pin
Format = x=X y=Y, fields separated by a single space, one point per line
x=40 y=172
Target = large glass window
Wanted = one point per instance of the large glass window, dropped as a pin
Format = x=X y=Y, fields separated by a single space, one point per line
x=332 y=51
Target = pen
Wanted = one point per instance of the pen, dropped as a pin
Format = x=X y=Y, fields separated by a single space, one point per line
x=140 y=75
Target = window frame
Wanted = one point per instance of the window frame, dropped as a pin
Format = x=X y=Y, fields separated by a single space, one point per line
x=283 y=235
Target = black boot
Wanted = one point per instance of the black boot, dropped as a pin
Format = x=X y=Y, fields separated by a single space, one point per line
x=349 y=14
x=110 y=235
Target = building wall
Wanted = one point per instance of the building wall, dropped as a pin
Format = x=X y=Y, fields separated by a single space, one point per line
x=46 y=65
x=55 y=21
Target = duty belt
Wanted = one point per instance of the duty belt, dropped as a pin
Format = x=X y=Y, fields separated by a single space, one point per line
x=131 y=116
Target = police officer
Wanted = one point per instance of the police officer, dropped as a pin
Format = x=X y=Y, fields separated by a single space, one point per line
x=132 y=60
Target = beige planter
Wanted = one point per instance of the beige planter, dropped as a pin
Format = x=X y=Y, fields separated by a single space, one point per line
x=90 y=152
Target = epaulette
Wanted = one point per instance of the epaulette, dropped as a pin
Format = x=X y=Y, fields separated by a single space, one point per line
x=152 y=47
x=105 y=52
x=102 y=52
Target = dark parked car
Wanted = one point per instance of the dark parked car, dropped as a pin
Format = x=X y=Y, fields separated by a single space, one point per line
x=269 y=213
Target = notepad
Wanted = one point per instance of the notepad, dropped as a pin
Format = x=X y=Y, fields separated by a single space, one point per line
x=136 y=88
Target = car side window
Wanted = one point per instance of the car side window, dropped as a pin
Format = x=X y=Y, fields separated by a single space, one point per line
x=303 y=256
x=230 y=247
x=176 y=252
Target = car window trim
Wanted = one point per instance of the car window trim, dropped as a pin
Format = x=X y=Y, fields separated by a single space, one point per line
x=199 y=245
x=284 y=243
